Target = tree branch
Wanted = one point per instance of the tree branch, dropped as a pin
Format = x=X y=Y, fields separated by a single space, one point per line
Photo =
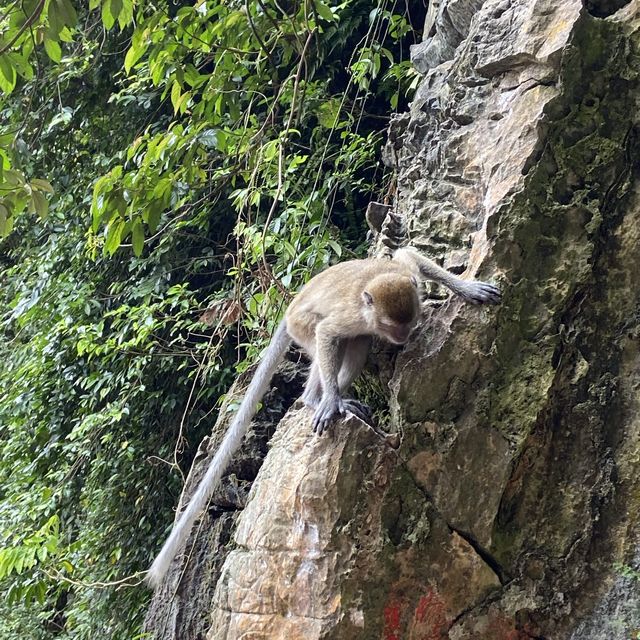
x=28 y=22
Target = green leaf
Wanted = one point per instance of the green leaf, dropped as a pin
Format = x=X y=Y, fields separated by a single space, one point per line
x=328 y=113
x=65 y=35
x=68 y=567
x=40 y=589
x=6 y=140
x=66 y=11
x=39 y=204
x=7 y=75
x=42 y=185
x=98 y=200
x=154 y=212
x=14 y=178
x=114 y=236
x=136 y=51
x=108 y=16
x=324 y=11
x=183 y=101
x=53 y=50
x=116 y=8
x=20 y=64
x=137 y=238
x=55 y=20
x=4 y=216
x=133 y=55
x=18 y=564
x=387 y=54
x=193 y=77
x=14 y=594
x=157 y=71
x=125 y=15
x=176 y=92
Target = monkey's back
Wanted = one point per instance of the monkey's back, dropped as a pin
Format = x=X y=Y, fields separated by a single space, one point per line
x=336 y=291
x=345 y=280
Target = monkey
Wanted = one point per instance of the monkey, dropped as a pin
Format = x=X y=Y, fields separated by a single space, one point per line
x=333 y=318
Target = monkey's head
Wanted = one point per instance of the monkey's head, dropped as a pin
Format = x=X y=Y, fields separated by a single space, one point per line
x=392 y=306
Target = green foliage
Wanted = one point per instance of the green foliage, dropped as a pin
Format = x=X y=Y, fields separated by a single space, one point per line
x=25 y=25
x=167 y=175
x=32 y=550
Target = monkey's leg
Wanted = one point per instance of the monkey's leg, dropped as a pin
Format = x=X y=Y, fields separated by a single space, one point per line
x=298 y=326
x=329 y=354
x=355 y=356
x=313 y=392
x=313 y=388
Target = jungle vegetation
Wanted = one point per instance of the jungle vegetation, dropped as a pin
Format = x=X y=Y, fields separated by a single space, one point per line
x=169 y=173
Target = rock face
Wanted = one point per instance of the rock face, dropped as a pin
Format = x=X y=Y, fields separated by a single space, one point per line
x=511 y=508
x=519 y=161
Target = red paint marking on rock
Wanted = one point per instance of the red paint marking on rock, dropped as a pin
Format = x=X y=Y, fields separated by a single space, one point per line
x=430 y=621
x=392 y=616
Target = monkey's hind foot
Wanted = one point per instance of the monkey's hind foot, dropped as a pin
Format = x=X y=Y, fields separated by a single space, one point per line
x=331 y=409
x=359 y=410
x=326 y=412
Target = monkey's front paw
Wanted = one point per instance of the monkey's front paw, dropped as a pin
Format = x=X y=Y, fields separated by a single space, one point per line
x=478 y=292
x=328 y=409
x=359 y=410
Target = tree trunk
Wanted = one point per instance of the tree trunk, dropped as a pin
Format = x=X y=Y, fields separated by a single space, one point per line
x=510 y=509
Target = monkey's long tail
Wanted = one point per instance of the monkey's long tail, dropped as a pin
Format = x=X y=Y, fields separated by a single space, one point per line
x=230 y=444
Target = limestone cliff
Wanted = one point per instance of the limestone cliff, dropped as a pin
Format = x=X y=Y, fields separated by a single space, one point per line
x=510 y=509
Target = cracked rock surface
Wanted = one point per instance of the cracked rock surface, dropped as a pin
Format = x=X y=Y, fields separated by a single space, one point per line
x=511 y=508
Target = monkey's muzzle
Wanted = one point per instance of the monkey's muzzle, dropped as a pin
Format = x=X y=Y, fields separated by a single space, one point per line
x=399 y=336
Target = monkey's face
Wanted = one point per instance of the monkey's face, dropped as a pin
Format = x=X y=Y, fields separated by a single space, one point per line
x=391 y=307
x=395 y=332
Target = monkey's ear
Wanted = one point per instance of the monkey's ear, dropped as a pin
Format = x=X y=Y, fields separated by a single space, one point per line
x=368 y=298
x=414 y=281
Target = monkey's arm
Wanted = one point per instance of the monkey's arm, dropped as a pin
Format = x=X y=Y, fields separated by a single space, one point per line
x=475 y=291
x=329 y=347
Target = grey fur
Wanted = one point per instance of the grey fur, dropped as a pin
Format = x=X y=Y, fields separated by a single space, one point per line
x=230 y=444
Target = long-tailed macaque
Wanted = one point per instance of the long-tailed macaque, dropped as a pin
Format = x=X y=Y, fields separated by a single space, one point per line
x=333 y=319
